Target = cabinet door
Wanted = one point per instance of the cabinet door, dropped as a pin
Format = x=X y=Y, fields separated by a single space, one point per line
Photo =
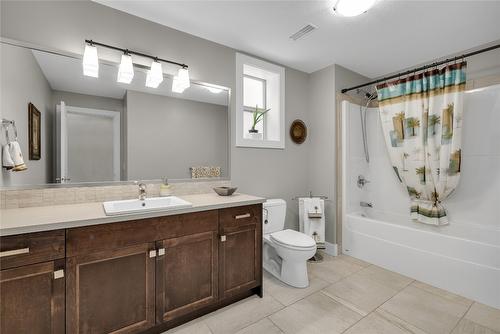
x=111 y=291
x=240 y=250
x=186 y=274
x=32 y=299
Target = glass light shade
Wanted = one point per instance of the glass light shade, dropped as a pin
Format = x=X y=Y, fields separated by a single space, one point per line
x=177 y=86
x=126 y=70
x=155 y=75
x=353 y=7
x=181 y=81
x=90 y=61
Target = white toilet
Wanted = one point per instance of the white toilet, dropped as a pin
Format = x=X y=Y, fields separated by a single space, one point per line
x=285 y=252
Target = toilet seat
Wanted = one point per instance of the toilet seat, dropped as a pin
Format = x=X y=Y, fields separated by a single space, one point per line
x=293 y=240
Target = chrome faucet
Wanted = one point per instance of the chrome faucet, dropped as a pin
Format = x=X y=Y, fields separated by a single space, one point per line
x=365 y=204
x=142 y=191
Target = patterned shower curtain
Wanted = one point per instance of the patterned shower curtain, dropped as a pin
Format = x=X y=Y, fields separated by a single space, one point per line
x=421 y=118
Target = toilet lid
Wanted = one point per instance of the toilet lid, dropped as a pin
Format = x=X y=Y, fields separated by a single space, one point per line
x=293 y=238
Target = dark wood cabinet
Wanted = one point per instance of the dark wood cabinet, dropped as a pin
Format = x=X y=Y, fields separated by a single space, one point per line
x=186 y=274
x=111 y=291
x=240 y=250
x=137 y=276
x=32 y=299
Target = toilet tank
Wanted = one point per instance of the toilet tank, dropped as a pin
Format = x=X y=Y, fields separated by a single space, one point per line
x=273 y=212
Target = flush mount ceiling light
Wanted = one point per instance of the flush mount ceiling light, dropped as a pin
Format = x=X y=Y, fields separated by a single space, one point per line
x=181 y=81
x=126 y=69
x=155 y=75
x=353 y=7
x=90 y=61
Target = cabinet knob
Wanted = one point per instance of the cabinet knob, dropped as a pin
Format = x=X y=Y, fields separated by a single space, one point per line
x=59 y=274
x=152 y=253
x=161 y=251
x=222 y=238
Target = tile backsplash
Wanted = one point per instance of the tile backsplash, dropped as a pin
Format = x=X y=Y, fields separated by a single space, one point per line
x=11 y=199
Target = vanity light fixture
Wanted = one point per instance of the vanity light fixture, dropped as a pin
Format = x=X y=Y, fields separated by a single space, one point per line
x=126 y=69
x=155 y=75
x=353 y=7
x=181 y=81
x=90 y=61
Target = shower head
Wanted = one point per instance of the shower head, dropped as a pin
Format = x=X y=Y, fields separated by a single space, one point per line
x=371 y=96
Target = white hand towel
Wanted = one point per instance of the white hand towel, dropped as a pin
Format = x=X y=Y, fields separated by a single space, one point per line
x=7 y=161
x=17 y=157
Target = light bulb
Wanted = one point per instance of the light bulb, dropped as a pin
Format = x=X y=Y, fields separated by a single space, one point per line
x=181 y=81
x=155 y=75
x=353 y=7
x=90 y=61
x=126 y=70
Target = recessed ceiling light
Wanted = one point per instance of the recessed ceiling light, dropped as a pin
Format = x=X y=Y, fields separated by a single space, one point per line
x=353 y=7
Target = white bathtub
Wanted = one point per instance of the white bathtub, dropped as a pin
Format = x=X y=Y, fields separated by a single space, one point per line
x=464 y=259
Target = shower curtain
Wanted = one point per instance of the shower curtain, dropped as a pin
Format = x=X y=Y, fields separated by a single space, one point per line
x=421 y=118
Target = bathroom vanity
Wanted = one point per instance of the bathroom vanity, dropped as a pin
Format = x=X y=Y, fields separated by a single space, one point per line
x=128 y=274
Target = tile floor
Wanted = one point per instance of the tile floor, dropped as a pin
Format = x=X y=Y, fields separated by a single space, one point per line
x=347 y=295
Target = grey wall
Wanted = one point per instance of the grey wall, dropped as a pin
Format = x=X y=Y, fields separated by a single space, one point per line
x=166 y=136
x=270 y=173
x=21 y=85
x=322 y=117
x=321 y=168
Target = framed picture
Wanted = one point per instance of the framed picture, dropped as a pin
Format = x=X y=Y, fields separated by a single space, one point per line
x=34 y=132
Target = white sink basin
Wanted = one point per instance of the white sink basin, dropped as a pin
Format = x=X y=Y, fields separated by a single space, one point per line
x=113 y=208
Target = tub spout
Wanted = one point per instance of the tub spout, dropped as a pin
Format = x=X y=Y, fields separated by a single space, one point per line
x=366 y=204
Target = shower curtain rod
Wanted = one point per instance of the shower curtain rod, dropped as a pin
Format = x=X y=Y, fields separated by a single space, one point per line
x=421 y=68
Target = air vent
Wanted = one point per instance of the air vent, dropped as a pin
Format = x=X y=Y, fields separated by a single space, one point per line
x=303 y=32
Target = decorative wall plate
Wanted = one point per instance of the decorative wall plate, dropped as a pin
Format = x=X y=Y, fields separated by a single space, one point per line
x=298 y=131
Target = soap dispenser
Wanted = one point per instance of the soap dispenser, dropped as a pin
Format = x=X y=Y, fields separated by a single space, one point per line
x=165 y=188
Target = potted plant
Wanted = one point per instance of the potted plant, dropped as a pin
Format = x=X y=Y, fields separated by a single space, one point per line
x=258 y=116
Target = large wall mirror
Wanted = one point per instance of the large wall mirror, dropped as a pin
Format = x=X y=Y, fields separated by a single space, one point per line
x=96 y=130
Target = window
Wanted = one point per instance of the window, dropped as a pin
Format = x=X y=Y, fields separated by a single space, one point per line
x=260 y=87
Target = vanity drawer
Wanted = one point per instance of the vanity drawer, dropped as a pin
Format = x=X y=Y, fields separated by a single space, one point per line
x=24 y=249
x=240 y=216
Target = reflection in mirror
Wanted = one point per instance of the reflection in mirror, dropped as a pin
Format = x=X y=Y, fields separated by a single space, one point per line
x=99 y=130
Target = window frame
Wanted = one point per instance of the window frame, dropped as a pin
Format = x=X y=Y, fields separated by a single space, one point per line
x=279 y=71
x=264 y=99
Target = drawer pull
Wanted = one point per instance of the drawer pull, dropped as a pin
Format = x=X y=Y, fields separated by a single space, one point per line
x=58 y=274
x=222 y=238
x=15 y=252
x=152 y=253
x=246 y=215
x=161 y=251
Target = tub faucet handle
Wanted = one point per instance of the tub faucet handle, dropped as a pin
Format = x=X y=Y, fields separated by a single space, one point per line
x=362 y=181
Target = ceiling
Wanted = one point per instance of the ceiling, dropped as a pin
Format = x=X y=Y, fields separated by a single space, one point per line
x=65 y=74
x=391 y=36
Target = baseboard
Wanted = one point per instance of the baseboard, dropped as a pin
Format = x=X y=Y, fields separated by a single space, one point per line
x=331 y=249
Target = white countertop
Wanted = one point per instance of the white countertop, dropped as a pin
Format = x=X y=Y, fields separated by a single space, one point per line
x=45 y=218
